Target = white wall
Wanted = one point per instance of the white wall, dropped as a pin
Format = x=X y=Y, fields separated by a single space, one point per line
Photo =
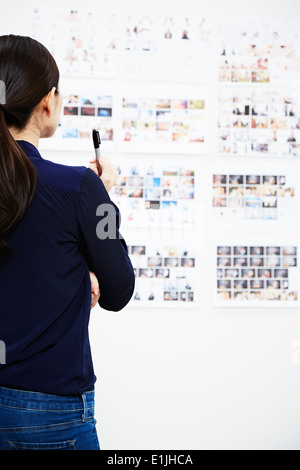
x=195 y=379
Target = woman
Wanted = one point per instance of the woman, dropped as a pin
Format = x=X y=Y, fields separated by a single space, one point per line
x=50 y=260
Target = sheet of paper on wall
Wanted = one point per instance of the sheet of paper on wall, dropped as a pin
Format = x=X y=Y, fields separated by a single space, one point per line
x=162 y=120
x=155 y=195
x=258 y=200
x=259 y=121
x=256 y=274
x=166 y=274
x=259 y=52
x=82 y=112
x=83 y=42
x=174 y=48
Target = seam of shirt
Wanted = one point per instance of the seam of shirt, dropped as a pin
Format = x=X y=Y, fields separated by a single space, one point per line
x=48 y=186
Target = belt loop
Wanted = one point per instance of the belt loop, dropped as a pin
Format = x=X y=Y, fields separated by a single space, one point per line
x=85 y=410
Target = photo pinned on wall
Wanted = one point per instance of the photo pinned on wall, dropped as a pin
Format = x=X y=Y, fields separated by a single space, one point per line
x=83 y=42
x=160 y=196
x=257 y=275
x=259 y=122
x=259 y=52
x=164 y=124
x=255 y=199
x=174 y=48
x=166 y=274
x=81 y=113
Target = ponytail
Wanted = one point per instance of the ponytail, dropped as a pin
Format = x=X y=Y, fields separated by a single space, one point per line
x=17 y=184
x=29 y=72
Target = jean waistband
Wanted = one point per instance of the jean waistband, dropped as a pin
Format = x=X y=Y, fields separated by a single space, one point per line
x=44 y=401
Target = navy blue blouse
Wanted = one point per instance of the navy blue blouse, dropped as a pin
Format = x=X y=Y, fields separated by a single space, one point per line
x=45 y=289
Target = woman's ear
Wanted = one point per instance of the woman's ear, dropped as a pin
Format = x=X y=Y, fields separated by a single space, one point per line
x=49 y=101
x=50 y=108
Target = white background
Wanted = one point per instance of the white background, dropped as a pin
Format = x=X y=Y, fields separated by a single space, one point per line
x=207 y=378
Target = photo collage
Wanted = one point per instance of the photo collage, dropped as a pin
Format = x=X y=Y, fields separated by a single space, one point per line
x=253 y=197
x=262 y=52
x=80 y=47
x=250 y=274
x=155 y=196
x=164 y=121
x=259 y=122
x=170 y=48
x=82 y=113
x=165 y=274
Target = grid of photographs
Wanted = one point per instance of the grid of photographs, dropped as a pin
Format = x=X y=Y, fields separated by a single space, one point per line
x=165 y=274
x=83 y=42
x=156 y=196
x=252 y=197
x=163 y=121
x=168 y=48
x=263 y=52
x=259 y=122
x=82 y=113
x=257 y=274
x=258 y=109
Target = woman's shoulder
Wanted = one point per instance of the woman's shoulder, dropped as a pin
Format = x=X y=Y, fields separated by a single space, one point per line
x=60 y=177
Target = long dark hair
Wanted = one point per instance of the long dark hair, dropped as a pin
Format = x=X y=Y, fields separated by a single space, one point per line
x=29 y=72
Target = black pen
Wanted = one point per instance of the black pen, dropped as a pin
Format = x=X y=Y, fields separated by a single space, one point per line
x=97 y=143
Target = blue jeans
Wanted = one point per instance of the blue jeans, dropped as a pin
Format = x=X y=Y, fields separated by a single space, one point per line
x=38 y=421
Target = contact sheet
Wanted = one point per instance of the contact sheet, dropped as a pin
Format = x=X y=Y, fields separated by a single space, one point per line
x=259 y=52
x=259 y=122
x=81 y=47
x=156 y=196
x=83 y=111
x=165 y=121
x=166 y=47
x=166 y=273
x=251 y=275
x=255 y=200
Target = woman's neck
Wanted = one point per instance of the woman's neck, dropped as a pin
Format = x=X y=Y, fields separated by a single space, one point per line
x=29 y=135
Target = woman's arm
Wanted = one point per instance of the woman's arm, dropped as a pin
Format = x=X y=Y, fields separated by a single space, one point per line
x=102 y=245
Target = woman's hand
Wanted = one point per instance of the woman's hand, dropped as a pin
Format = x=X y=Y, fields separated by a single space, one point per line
x=109 y=172
x=95 y=289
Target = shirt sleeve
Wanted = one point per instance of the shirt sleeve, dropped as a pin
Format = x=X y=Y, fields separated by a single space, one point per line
x=107 y=255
